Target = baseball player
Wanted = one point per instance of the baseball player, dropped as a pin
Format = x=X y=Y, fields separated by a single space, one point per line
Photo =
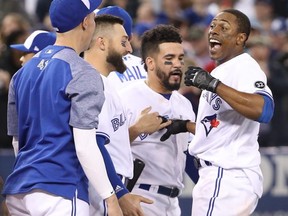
x=234 y=101
x=53 y=107
x=36 y=41
x=135 y=69
x=120 y=80
x=162 y=177
x=110 y=43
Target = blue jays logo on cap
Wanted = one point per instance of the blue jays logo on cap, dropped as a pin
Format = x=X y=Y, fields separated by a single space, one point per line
x=37 y=41
x=67 y=14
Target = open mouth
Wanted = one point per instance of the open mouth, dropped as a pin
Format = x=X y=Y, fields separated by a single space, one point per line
x=214 y=44
x=176 y=73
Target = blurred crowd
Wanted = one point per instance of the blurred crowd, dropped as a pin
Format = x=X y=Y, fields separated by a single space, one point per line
x=268 y=44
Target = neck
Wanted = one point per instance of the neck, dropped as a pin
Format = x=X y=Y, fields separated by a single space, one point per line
x=71 y=39
x=157 y=86
x=98 y=63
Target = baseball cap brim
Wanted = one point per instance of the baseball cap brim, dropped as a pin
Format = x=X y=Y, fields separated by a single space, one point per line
x=20 y=47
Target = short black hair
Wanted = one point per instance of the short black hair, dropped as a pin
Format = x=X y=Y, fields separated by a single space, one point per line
x=152 y=38
x=105 y=19
x=244 y=25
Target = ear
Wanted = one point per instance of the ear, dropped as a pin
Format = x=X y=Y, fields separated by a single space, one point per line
x=150 y=62
x=241 y=39
x=84 y=23
x=101 y=43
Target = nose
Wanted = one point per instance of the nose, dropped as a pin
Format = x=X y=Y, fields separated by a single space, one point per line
x=22 y=60
x=214 y=30
x=178 y=63
x=129 y=48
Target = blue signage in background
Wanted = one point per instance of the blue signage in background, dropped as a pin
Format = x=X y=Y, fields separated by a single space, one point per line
x=274 y=165
x=274 y=202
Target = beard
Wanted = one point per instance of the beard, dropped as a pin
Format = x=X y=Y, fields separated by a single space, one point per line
x=165 y=79
x=115 y=59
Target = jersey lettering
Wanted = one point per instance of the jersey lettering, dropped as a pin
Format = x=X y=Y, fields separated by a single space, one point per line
x=42 y=64
x=217 y=103
x=213 y=99
x=130 y=74
x=118 y=122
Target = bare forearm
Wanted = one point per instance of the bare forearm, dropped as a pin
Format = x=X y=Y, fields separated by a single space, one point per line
x=133 y=132
x=248 y=105
x=191 y=127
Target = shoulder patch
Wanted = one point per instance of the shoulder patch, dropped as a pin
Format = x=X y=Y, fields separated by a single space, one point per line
x=259 y=84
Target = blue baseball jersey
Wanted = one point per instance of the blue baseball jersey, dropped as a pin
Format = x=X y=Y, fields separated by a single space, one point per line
x=54 y=92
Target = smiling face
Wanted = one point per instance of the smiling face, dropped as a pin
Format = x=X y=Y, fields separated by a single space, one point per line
x=167 y=66
x=225 y=40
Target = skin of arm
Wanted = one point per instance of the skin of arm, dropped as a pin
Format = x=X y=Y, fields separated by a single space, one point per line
x=248 y=105
x=191 y=127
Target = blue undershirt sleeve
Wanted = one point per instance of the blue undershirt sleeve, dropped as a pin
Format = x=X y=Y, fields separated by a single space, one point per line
x=190 y=168
x=116 y=182
x=268 y=109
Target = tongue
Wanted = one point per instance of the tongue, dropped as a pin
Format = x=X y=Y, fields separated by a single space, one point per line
x=216 y=47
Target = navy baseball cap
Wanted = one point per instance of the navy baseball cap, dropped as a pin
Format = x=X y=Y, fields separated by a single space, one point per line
x=119 y=12
x=67 y=14
x=37 y=41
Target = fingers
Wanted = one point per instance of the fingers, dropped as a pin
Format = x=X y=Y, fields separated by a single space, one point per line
x=146 y=110
x=146 y=200
x=165 y=136
x=165 y=124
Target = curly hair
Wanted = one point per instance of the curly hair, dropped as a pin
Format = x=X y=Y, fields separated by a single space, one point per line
x=152 y=38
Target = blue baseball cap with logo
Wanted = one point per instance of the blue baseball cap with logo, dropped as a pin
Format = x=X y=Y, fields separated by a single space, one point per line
x=119 y=12
x=36 y=41
x=67 y=14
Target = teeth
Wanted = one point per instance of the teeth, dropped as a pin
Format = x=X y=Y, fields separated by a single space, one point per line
x=214 y=41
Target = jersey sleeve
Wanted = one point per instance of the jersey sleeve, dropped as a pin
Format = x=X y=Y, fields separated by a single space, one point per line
x=254 y=80
x=87 y=97
x=104 y=129
x=12 y=116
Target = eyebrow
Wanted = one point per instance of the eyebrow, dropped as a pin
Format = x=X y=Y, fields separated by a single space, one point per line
x=172 y=55
x=222 y=20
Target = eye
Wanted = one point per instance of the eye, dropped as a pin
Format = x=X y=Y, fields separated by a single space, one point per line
x=124 y=43
x=212 y=25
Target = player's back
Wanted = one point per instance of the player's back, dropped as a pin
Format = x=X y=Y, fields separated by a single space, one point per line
x=47 y=158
